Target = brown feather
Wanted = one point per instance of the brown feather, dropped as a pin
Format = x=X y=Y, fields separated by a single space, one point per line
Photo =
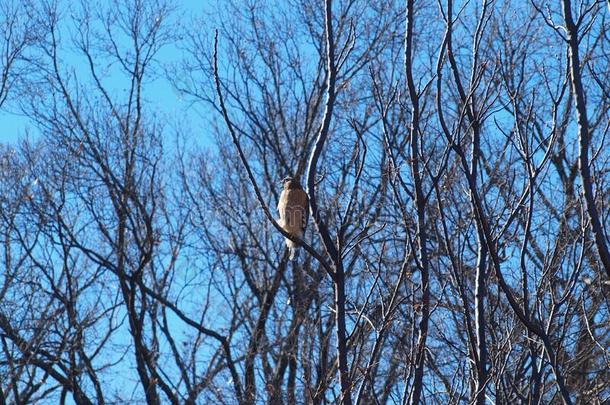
x=293 y=210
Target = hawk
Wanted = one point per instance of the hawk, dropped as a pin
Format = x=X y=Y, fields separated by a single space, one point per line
x=293 y=211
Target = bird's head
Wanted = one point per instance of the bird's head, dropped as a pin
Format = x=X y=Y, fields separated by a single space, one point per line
x=290 y=182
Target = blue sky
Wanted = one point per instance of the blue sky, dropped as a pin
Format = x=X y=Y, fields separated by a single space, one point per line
x=159 y=94
x=161 y=99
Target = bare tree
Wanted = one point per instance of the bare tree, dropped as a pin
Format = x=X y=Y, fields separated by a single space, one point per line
x=455 y=157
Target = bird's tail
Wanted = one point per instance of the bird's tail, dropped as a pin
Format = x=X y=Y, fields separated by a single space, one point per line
x=293 y=248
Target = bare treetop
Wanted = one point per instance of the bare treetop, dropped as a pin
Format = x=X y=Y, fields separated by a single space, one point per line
x=448 y=170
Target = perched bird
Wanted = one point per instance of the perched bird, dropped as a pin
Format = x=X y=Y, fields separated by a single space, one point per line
x=293 y=211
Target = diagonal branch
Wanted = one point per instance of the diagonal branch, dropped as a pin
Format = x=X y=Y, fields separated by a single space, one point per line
x=584 y=137
x=244 y=161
